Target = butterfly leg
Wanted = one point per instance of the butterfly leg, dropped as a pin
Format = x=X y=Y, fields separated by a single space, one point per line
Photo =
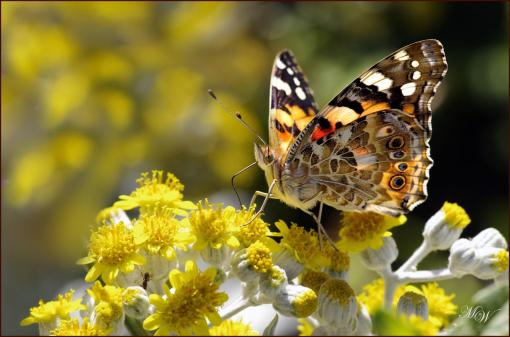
x=320 y=229
x=260 y=194
x=235 y=175
x=267 y=196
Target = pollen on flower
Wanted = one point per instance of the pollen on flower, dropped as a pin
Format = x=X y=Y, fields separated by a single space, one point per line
x=112 y=249
x=233 y=328
x=421 y=326
x=501 y=263
x=314 y=279
x=304 y=327
x=184 y=310
x=338 y=260
x=60 y=308
x=303 y=244
x=156 y=189
x=255 y=230
x=214 y=226
x=74 y=328
x=338 y=290
x=362 y=230
x=373 y=293
x=305 y=303
x=159 y=232
x=259 y=257
x=455 y=215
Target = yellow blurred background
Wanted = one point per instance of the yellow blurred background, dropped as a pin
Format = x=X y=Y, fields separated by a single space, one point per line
x=94 y=93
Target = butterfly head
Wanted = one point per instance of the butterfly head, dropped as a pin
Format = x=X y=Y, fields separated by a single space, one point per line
x=264 y=156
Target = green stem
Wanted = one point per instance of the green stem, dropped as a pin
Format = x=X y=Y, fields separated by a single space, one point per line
x=135 y=327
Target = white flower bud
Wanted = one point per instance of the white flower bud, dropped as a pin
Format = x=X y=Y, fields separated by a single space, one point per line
x=136 y=302
x=378 y=258
x=364 y=327
x=445 y=226
x=272 y=282
x=291 y=266
x=295 y=301
x=337 y=305
x=492 y=262
x=413 y=303
x=489 y=237
x=462 y=259
x=242 y=269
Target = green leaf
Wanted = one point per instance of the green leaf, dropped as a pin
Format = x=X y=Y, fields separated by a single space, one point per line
x=498 y=325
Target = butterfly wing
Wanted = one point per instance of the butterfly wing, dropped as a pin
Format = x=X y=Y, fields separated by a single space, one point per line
x=379 y=125
x=292 y=105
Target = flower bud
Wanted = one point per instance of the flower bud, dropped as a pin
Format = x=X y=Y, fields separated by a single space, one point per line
x=492 y=262
x=413 y=302
x=489 y=237
x=286 y=260
x=337 y=305
x=217 y=257
x=242 y=269
x=295 y=301
x=445 y=227
x=313 y=279
x=364 y=327
x=136 y=302
x=462 y=259
x=273 y=281
x=379 y=258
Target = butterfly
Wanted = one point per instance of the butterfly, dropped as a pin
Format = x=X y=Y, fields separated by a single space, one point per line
x=367 y=149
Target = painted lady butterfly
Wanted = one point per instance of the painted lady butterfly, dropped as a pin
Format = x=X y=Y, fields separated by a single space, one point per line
x=367 y=149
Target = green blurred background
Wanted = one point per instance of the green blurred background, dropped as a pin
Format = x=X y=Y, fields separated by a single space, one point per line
x=95 y=93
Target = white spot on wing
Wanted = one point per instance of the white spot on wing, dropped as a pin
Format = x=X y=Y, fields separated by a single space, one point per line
x=371 y=78
x=415 y=64
x=300 y=93
x=290 y=71
x=280 y=64
x=416 y=75
x=401 y=55
x=408 y=89
x=281 y=85
x=384 y=84
x=296 y=81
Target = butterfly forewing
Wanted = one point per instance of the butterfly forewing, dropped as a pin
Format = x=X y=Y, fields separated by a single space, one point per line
x=292 y=105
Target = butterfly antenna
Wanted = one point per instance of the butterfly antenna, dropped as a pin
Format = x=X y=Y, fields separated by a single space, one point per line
x=236 y=114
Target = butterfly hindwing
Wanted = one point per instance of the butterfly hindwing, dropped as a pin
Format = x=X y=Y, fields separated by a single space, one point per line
x=292 y=105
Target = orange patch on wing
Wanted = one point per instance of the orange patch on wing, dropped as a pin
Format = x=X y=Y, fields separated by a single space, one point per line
x=408 y=108
x=374 y=108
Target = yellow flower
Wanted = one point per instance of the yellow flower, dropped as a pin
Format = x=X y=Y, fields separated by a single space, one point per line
x=233 y=328
x=258 y=229
x=160 y=232
x=304 y=327
x=338 y=260
x=108 y=304
x=303 y=245
x=48 y=312
x=420 y=326
x=213 y=226
x=259 y=257
x=154 y=190
x=440 y=304
x=111 y=249
x=184 y=310
x=73 y=328
x=501 y=263
x=364 y=230
x=455 y=216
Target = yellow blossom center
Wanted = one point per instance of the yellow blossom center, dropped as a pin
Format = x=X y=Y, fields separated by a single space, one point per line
x=338 y=290
x=73 y=328
x=302 y=243
x=108 y=302
x=249 y=233
x=455 y=216
x=112 y=245
x=233 y=328
x=259 y=257
x=314 y=279
x=501 y=263
x=305 y=303
x=338 y=259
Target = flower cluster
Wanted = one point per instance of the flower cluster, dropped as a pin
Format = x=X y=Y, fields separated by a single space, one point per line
x=145 y=276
